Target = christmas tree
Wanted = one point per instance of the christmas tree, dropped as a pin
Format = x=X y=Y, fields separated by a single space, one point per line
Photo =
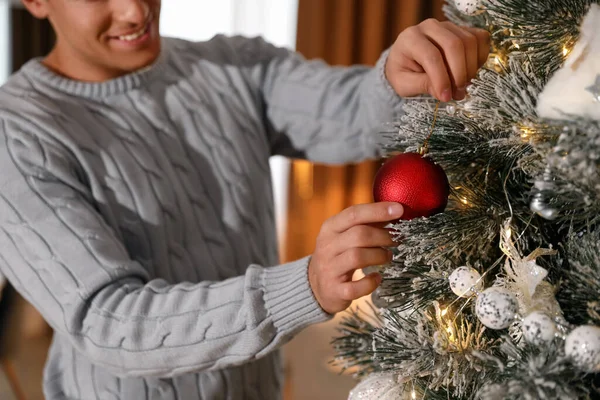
x=498 y=296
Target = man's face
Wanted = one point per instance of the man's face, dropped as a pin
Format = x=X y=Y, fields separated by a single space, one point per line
x=108 y=36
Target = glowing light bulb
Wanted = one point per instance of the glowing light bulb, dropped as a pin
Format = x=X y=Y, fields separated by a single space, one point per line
x=565 y=51
x=444 y=312
x=413 y=394
x=464 y=200
x=451 y=338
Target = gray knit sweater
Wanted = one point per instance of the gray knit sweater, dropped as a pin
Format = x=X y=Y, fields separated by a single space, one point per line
x=137 y=214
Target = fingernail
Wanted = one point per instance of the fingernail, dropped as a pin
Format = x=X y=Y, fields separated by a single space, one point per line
x=446 y=95
x=461 y=93
x=396 y=210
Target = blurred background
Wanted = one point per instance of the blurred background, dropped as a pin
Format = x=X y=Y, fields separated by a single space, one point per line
x=342 y=32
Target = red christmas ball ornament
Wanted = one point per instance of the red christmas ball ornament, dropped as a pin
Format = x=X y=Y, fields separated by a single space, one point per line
x=414 y=181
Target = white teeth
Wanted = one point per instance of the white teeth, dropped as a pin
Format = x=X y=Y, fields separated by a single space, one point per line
x=133 y=36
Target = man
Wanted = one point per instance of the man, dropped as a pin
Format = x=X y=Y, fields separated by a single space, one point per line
x=135 y=200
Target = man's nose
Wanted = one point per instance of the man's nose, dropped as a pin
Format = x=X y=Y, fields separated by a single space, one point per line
x=131 y=11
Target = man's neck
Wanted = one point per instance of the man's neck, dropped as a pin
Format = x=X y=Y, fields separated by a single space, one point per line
x=72 y=67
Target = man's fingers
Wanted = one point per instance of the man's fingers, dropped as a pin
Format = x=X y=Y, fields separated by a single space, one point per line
x=358 y=258
x=453 y=49
x=362 y=236
x=430 y=58
x=438 y=58
x=470 y=43
x=364 y=214
x=415 y=83
x=362 y=287
x=483 y=44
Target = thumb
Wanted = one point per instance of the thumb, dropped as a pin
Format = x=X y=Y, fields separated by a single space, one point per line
x=408 y=84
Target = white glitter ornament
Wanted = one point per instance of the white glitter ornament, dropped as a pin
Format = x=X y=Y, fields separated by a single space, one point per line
x=469 y=7
x=538 y=328
x=496 y=308
x=583 y=347
x=381 y=386
x=465 y=281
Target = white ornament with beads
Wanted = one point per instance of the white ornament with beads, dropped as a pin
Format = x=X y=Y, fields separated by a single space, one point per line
x=496 y=308
x=469 y=7
x=465 y=282
x=583 y=347
x=538 y=328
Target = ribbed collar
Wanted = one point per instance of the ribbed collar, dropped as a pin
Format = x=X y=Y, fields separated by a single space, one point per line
x=38 y=72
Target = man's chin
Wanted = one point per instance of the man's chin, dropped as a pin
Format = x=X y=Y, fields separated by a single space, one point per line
x=141 y=60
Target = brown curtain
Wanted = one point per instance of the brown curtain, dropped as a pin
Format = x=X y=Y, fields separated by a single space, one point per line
x=18 y=319
x=24 y=334
x=342 y=32
x=30 y=37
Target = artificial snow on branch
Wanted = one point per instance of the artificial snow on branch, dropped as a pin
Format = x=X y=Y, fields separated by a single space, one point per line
x=579 y=292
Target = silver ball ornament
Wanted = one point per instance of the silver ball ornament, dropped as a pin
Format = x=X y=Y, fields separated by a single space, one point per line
x=496 y=308
x=465 y=281
x=469 y=7
x=544 y=192
x=540 y=206
x=583 y=347
x=538 y=328
x=379 y=386
x=376 y=299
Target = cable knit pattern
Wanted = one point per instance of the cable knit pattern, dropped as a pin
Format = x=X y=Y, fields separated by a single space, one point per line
x=137 y=214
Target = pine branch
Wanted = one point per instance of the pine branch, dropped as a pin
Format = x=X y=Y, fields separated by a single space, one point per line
x=532 y=373
x=575 y=166
x=424 y=392
x=449 y=240
x=579 y=293
x=451 y=128
x=435 y=346
x=413 y=288
x=508 y=97
x=543 y=29
x=352 y=347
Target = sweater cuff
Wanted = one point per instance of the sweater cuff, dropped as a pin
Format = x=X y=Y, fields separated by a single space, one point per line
x=383 y=87
x=390 y=107
x=289 y=299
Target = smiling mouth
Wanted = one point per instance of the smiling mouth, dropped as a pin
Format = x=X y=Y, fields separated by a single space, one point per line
x=136 y=35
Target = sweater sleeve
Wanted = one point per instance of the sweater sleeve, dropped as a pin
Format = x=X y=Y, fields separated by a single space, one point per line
x=60 y=253
x=316 y=111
